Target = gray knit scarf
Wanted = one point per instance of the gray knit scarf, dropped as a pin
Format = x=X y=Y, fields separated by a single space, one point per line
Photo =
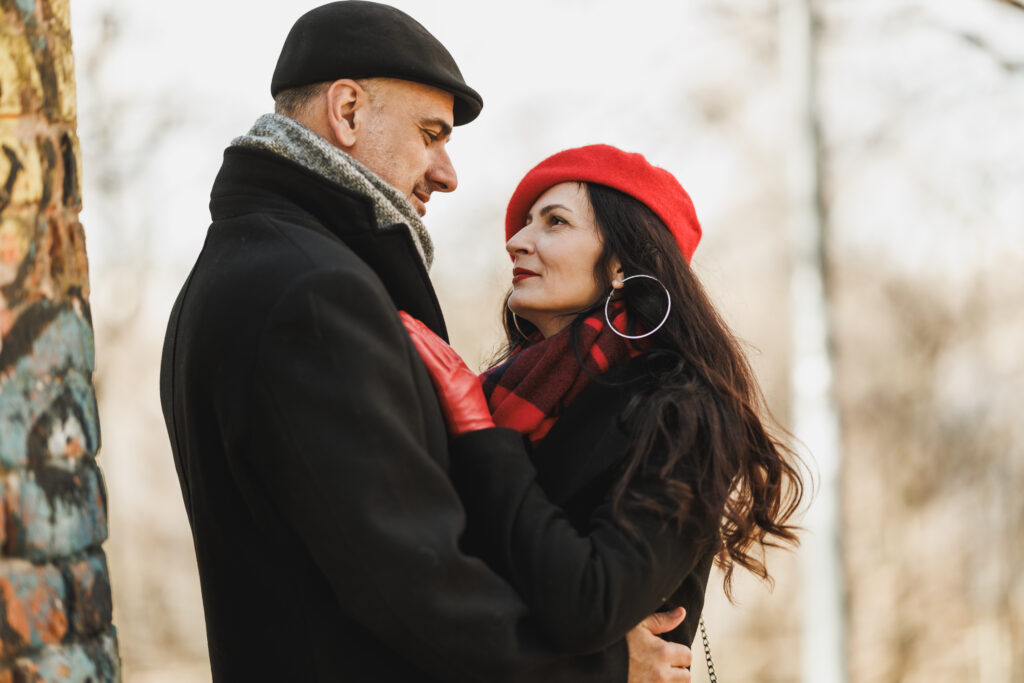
x=292 y=140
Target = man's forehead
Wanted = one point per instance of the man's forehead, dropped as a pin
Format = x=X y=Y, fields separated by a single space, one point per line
x=421 y=100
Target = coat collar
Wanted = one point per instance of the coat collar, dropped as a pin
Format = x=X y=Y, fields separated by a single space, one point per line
x=258 y=181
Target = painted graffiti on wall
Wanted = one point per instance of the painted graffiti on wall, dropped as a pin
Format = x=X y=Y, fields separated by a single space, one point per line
x=55 y=605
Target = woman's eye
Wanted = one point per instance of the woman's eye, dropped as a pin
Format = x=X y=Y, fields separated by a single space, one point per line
x=557 y=220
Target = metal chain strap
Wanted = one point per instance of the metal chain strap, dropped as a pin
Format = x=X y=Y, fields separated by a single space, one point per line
x=707 y=652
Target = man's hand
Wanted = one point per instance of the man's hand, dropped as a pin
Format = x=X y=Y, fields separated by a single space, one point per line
x=654 y=659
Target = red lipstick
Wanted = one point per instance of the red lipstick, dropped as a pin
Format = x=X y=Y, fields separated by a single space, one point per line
x=521 y=274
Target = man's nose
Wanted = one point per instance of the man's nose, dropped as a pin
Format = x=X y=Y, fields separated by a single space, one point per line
x=441 y=173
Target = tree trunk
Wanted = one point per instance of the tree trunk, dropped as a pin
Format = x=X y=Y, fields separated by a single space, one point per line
x=55 y=603
x=814 y=413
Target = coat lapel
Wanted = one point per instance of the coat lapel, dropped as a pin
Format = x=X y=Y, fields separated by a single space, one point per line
x=391 y=254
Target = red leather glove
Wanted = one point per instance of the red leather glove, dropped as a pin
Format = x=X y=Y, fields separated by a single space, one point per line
x=458 y=388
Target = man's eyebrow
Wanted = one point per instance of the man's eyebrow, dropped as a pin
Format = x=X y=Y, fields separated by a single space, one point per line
x=446 y=130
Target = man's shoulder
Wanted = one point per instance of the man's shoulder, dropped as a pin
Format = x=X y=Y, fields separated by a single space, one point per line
x=250 y=262
x=254 y=244
x=258 y=181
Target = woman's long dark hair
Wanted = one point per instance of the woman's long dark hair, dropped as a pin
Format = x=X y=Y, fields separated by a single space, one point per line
x=701 y=427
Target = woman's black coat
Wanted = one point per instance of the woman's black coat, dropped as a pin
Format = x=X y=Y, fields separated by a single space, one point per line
x=313 y=458
x=546 y=522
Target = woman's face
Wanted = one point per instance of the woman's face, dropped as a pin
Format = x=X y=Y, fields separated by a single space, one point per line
x=554 y=258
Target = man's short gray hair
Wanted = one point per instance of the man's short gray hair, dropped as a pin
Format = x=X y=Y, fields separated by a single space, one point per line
x=294 y=101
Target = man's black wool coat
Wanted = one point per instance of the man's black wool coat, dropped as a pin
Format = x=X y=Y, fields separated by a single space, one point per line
x=313 y=458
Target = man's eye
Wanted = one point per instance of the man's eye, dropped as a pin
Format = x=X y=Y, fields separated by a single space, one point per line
x=434 y=137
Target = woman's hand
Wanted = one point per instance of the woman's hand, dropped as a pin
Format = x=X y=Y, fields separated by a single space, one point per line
x=654 y=659
x=458 y=388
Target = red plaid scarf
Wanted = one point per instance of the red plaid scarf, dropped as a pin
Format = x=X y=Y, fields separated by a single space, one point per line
x=538 y=382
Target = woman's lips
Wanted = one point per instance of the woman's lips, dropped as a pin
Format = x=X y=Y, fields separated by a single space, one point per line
x=521 y=274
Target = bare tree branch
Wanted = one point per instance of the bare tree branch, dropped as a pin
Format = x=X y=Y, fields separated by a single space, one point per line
x=980 y=43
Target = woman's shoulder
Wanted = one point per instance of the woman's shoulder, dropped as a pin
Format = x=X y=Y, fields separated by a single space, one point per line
x=590 y=437
x=654 y=371
x=607 y=397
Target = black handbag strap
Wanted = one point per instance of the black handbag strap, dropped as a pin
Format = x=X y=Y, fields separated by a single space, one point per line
x=707 y=652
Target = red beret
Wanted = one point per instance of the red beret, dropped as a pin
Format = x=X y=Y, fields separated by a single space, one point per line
x=627 y=172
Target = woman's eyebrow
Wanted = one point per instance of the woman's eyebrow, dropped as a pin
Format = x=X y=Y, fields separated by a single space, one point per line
x=551 y=207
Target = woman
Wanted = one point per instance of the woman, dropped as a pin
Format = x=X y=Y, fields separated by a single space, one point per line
x=640 y=455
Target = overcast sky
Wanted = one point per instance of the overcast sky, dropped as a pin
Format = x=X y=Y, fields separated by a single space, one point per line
x=922 y=125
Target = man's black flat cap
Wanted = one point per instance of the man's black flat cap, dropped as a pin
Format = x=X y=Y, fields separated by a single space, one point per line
x=359 y=39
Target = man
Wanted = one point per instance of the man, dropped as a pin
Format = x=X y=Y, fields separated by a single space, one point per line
x=309 y=445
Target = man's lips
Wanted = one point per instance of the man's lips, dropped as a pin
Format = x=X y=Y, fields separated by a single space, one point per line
x=521 y=274
x=423 y=198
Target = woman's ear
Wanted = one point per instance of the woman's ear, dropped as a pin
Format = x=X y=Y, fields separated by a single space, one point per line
x=345 y=100
x=615 y=274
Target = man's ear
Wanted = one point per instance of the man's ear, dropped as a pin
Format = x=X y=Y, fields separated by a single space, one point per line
x=346 y=105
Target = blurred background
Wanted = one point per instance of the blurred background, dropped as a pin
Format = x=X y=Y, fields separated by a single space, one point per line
x=920 y=124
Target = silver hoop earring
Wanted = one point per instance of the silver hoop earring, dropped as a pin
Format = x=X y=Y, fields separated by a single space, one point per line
x=657 y=327
x=515 y=322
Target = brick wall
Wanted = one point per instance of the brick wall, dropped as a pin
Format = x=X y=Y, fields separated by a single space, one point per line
x=55 y=604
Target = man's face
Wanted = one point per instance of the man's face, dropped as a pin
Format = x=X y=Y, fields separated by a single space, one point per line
x=407 y=126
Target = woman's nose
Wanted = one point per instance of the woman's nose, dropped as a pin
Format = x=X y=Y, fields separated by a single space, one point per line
x=519 y=243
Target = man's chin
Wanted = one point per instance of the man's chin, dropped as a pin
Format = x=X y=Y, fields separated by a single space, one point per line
x=418 y=205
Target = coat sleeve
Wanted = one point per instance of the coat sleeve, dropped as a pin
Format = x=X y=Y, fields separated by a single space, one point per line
x=339 y=445
x=586 y=589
